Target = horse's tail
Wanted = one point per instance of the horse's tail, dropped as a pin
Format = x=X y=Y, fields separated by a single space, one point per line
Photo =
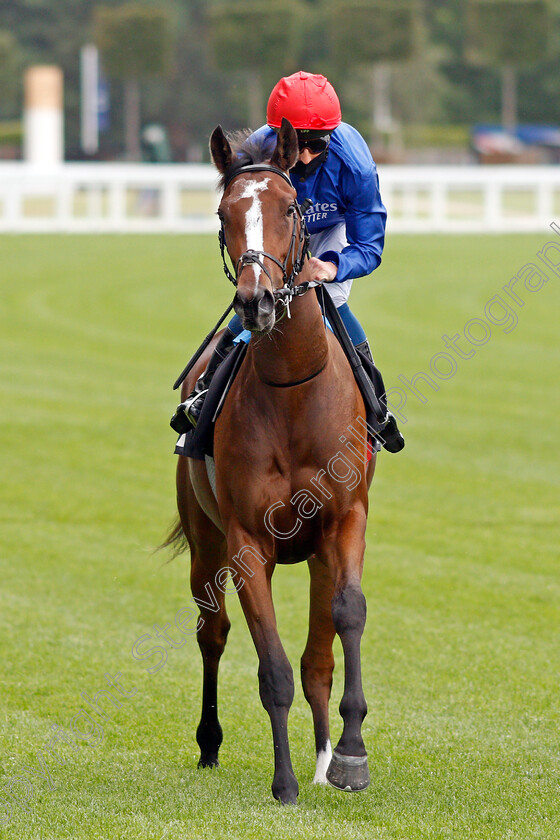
x=176 y=540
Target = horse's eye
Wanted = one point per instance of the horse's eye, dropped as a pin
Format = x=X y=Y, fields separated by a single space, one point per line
x=291 y=210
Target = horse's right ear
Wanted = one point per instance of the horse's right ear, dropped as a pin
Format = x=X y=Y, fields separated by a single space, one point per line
x=286 y=152
x=220 y=150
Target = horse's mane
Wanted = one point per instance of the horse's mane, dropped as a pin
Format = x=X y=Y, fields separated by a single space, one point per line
x=247 y=149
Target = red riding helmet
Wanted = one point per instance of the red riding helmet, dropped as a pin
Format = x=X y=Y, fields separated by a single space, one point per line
x=307 y=100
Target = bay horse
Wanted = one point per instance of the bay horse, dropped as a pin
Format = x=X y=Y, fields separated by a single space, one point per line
x=280 y=498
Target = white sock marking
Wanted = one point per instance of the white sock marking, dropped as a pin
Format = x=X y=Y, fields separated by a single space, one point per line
x=323 y=761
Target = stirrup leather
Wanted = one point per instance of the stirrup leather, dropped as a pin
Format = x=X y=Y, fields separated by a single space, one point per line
x=390 y=437
x=188 y=412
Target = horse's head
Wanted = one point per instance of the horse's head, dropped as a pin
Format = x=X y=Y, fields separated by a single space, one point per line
x=262 y=226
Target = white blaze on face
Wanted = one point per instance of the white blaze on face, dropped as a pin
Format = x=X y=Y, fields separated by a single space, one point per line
x=254 y=231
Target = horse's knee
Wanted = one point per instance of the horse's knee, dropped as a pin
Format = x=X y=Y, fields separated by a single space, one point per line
x=349 y=610
x=276 y=683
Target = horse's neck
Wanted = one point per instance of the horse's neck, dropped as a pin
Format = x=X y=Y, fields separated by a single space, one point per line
x=297 y=347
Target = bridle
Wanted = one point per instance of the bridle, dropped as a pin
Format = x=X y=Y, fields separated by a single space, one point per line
x=298 y=250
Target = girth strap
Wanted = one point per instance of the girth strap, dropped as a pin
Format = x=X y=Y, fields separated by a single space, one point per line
x=298 y=382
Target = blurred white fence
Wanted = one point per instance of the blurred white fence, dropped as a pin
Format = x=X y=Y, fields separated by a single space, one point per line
x=148 y=198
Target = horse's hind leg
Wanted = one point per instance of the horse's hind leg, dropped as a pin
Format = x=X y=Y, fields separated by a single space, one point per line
x=317 y=662
x=211 y=636
x=208 y=558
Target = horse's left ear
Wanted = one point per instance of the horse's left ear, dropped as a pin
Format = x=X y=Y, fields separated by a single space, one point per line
x=220 y=149
x=286 y=152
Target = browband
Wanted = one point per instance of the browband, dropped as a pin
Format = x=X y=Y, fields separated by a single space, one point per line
x=257 y=167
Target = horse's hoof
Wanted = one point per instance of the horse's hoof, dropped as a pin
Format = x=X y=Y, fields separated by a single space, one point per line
x=286 y=793
x=348 y=772
x=208 y=761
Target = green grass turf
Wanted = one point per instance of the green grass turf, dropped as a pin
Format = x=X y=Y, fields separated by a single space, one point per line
x=461 y=651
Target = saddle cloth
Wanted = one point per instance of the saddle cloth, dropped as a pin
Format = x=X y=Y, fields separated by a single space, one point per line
x=199 y=442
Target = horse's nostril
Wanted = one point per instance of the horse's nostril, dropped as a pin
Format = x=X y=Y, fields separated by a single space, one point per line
x=260 y=301
x=247 y=299
x=255 y=310
x=242 y=299
x=266 y=304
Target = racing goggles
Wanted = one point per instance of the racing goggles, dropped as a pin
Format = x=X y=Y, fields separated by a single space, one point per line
x=312 y=140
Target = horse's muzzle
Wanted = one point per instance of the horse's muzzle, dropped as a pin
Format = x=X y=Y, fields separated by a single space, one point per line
x=256 y=311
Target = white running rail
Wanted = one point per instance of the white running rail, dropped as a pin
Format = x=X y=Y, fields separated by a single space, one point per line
x=182 y=198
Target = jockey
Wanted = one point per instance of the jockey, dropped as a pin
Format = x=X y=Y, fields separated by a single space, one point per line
x=346 y=219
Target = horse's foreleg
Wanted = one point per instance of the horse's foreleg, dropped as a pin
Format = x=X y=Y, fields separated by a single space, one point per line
x=276 y=682
x=317 y=662
x=348 y=769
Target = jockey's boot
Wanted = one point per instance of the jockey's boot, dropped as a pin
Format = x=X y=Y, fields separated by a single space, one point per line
x=390 y=436
x=188 y=412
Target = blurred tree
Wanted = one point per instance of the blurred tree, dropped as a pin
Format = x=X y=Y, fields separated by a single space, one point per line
x=136 y=44
x=10 y=72
x=539 y=85
x=471 y=92
x=379 y=33
x=372 y=30
x=508 y=33
x=438 y=84
x=260 y=40
x=48 y=33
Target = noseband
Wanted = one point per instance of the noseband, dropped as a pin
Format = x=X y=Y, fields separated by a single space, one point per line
x=298 y=250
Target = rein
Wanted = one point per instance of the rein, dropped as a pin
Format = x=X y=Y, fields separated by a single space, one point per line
x=298 y=251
